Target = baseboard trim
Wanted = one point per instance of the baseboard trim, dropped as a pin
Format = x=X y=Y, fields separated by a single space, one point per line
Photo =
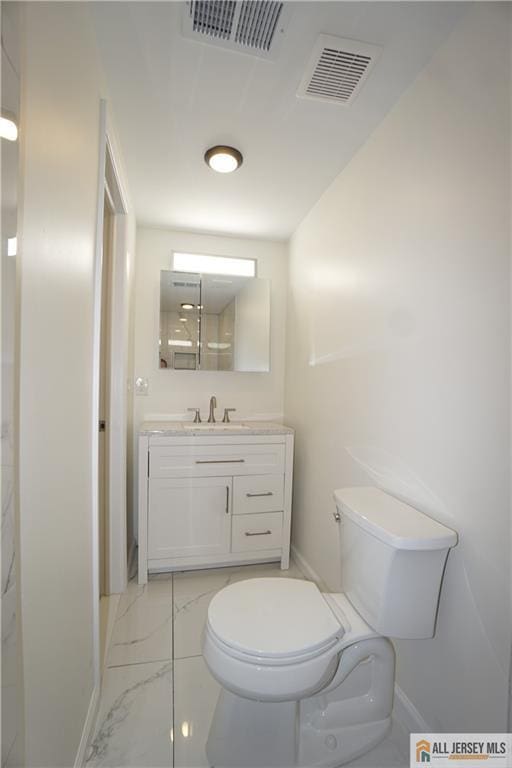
x=113 y=603
x=307 y=570
x=407 y=714
x=87 y=732
x=92 y=712
x=407 y=720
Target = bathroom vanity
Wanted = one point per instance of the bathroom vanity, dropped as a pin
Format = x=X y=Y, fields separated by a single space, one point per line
x=213 y=495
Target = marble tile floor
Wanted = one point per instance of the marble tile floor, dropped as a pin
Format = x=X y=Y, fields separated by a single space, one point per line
x=158 y=696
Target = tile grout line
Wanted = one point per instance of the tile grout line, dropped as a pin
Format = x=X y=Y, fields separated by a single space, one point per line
x=192 y=656
x=138 y=663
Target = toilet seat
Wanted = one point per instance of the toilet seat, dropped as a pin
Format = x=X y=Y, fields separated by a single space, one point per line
x=278 y=639
x=273 y=620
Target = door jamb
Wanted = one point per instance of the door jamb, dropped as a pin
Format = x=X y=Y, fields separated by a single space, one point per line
x=109 y=182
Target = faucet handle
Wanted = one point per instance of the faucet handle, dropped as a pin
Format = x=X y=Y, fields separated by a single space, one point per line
x=225 y=420
x=197 y=417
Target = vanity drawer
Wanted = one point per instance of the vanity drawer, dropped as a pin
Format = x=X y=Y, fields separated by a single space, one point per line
x=217 y=460
x=261 y=531
x=258 y=493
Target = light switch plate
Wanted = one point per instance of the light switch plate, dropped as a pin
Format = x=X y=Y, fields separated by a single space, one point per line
x=141 y=386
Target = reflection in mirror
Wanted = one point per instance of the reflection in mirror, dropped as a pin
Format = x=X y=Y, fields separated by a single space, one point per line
x=214 y=322
x=180 y=297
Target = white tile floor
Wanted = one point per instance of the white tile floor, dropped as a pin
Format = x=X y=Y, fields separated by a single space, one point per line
x=158 y=696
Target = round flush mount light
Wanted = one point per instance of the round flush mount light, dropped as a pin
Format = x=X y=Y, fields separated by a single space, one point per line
x=223 y=159
x=8 y=127
x=186 y=305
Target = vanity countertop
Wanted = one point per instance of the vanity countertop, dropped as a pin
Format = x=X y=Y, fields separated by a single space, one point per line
x=185 y=428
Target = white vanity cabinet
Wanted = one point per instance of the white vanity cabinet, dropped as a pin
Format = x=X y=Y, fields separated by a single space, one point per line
x=213 y=497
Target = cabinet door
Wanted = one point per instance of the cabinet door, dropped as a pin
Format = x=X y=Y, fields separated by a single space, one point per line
x=189 y=517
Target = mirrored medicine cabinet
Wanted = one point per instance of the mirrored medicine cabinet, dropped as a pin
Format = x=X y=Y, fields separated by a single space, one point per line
x=214 y=322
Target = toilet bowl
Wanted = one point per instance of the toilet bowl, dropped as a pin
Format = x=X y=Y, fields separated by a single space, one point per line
x=272 y=639
x=307 y=677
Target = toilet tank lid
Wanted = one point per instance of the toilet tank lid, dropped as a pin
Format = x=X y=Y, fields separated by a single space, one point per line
x=392 y=521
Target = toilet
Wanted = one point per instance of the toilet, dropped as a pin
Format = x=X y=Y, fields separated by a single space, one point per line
x=308 y=677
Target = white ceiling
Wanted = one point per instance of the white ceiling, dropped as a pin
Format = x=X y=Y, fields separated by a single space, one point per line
x=173 y=98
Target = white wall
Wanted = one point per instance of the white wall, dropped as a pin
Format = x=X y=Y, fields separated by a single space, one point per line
x=12 y=672
x=172 y=392
x=60 y=103
x=398 y=355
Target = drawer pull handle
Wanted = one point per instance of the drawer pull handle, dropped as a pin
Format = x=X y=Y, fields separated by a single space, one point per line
x=220 y=461
x=253 y=495
x=227 y=499
x=261 y=533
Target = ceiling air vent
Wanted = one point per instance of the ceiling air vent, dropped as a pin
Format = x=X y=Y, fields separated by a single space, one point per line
x=248 y=26
x=212 y=19
x=337 y=69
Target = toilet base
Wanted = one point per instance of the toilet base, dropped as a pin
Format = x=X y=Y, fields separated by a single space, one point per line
x=344 y=720
x=321 y=749
x=252 y=734
x=277 y=737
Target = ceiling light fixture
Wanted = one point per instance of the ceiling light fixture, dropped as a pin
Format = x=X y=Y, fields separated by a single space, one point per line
x=223 y=159
x=8 y=127
x=186 y=305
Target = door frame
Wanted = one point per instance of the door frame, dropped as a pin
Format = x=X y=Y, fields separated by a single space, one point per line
x=110 y=184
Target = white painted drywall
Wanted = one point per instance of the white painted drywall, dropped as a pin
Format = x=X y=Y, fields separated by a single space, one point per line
x=398 y=355
x=11 y=665
x=60 y=99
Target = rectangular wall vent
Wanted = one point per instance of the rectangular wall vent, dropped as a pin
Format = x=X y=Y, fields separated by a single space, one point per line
x=337 y=69
x=248 y=26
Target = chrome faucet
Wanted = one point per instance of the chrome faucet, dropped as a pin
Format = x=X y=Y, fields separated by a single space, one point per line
x=213 y=404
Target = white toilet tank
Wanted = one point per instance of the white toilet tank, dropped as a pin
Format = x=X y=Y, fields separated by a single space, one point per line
x=392 y=561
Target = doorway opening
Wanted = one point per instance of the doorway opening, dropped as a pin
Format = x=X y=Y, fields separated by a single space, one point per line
x=109 y=522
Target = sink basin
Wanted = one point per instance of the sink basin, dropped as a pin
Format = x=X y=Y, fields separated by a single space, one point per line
x=214 y=427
